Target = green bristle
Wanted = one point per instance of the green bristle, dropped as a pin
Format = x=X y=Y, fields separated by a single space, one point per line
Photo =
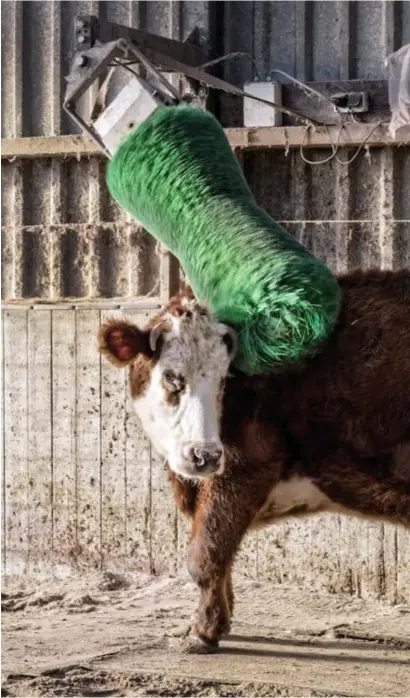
x=177 y=175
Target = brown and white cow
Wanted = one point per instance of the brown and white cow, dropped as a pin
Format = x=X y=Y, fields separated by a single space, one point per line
x=330 y=435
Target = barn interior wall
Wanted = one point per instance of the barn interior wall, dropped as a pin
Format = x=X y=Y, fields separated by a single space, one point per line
x=81 y=485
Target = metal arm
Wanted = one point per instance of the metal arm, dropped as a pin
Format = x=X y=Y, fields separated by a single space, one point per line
x=158 y=49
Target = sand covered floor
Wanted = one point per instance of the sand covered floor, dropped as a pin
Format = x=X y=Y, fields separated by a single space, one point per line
x=108 y=634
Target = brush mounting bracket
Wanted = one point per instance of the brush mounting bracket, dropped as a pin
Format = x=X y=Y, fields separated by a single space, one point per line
x=124 y=112
x=103 y=46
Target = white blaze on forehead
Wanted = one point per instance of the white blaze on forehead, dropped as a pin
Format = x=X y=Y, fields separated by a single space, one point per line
x=194 y=350
x=194 y=342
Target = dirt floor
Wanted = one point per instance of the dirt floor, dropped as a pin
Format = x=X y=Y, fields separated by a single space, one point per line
x=110 y=635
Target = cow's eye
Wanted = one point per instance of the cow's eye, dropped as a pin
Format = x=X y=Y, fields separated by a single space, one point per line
x=172 y=383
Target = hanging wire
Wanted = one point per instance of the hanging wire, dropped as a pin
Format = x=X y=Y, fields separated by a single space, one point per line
x=308 y=90
x=336 y=146
x=362 y=145
x=332 y=145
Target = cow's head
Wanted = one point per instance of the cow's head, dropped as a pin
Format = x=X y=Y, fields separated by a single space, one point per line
x=177 y=368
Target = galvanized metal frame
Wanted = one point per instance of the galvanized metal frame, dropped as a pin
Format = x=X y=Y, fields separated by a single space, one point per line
x=97 y=59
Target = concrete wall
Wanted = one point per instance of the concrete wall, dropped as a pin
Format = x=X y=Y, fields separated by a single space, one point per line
x=81 y=486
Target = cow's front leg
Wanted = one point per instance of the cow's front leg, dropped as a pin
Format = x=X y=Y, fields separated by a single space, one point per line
x=224 y=512
x=212 y=619
x=216 y=604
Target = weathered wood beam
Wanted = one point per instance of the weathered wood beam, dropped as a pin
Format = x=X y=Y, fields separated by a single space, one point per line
x=282 y=137
x=81 y=304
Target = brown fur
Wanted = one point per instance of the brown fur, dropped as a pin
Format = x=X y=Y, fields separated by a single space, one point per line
x=342 y=420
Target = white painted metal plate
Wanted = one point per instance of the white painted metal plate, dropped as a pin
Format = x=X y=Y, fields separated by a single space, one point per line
x=257 y=114
x=129 y=108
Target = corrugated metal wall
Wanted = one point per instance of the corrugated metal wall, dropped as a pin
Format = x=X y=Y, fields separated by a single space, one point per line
x=76 y=492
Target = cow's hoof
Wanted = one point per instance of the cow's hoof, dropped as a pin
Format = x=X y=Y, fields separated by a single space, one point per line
x=194 y=644
x=198 y=644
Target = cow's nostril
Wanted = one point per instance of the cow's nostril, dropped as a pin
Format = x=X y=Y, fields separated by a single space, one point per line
x=199 y=457
x=202 y=458
x=206 y=458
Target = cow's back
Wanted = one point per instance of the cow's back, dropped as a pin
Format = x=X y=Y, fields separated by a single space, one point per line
x=356 y=392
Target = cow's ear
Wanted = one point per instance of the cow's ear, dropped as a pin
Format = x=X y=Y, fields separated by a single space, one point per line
x=120 y=341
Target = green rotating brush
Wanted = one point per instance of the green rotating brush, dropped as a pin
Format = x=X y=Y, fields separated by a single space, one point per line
x=177 y=175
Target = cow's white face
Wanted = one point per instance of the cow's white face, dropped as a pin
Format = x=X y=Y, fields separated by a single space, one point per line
x=177 y=370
